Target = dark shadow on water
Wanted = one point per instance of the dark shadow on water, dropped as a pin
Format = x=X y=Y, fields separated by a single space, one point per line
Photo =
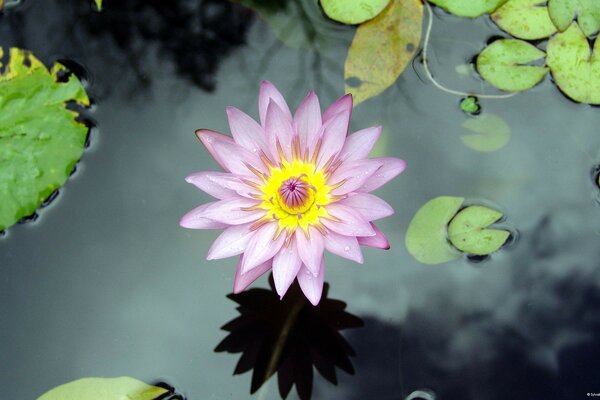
x=289 y=337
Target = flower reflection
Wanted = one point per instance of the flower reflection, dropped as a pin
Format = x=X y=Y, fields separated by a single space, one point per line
x=289 y=337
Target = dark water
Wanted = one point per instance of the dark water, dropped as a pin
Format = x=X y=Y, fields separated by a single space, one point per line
x=105 y=282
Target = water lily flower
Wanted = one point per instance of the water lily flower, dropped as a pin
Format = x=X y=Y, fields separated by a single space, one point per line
x=293 y=186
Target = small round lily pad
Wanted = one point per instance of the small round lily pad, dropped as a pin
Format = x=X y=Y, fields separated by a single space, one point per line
x=524 y=19
x=487 y=133
x=353 y=12
x=470 y=105
x=467 y=231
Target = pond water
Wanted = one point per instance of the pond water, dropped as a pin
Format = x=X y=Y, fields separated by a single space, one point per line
x=105 y=283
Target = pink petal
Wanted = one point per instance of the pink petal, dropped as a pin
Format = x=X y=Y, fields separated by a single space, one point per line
x=379 y=241
x=308 y=120
x=310 y=249
x=231 y=242
x=369 y=206
x=344 y=246
x=342 y=104
x=262 y=246
x=335 y=131
x=349 y=222
x=230 y=155
x=286 y=265
x=269 y=92
x=196 y=219
x=245 y=130
x=311 y=285
x=242 y=281
x=359 y=144
x=208 y=137
x=231 y=211
x=391 y=168
x=278 y=128
x=353 y=175
x=221 y=185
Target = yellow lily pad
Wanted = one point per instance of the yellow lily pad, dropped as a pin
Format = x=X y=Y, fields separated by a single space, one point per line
x=123 y=388
x=525 y=19
x=353 y=12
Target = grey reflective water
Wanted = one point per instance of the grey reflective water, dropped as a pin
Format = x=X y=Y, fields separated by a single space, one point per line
x=105 y=282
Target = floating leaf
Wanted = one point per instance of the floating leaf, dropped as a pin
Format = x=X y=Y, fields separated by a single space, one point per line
x=574 y=67
x=490 y=133
x=382 y=48
x=502 y=64
x=469 y=105
x=525 y=19
x=40 y=138
x=353 y=11
x=468 y=234
x=427 y=234
x=587 y=12
x=122 y=388
x=98 y=4
x=469 y=8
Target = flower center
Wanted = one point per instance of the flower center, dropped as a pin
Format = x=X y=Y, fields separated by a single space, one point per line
x=296 y=195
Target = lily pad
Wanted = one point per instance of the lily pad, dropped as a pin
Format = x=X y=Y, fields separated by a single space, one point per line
x=353 y=12
x=575 y=68
x=382 y=48
x=469 y=8
x=123 y=388
x=489 y=133
x=503 y=64
x=469 y=105
x=468 y=234
x=40 y=139
x=587 y=12
x=427 y=234
x=525 y=19
x=98 y=4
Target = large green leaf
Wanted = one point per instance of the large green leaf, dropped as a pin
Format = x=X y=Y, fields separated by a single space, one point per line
x=575 y=68
x=488 y=133
x=503 y=64
x=382 y=48
x=587 y=12
x=40 y=139
x=468 y=234
x=353 y=11
x=469 y=8
x=427 y=234
x=123 y=388
x=525 y=19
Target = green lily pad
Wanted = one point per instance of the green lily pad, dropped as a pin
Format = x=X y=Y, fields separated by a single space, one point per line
x=468 y=234
x=575 y=68
x=525 y=19
x=40 y=139
x=123 y=388
x=469 y=105
x=469 y=8
x=489 y=133
x=502 y=64
x=427 y=234
x=353 y=12
x=587 y=12
x=382 y=48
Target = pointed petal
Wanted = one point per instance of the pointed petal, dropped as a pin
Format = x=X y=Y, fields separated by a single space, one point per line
x=310 y=249
x=312 y=286
x=245 y=130
x=242 y=281
x=286 y=265
x=230 y=211
x=391 y=168
x=379 y=241
x=269 y=92
x=308 y=119
x=334 y=136
x=230 y=155
x=344 y=103
x=262 y=246
x=231 y=242
x=348 y=223
x=221 y=185
x=344 y=246
x=278 y=127
x=369 y=206
x=353 y=175
x=359 y=144
x=196 y=219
